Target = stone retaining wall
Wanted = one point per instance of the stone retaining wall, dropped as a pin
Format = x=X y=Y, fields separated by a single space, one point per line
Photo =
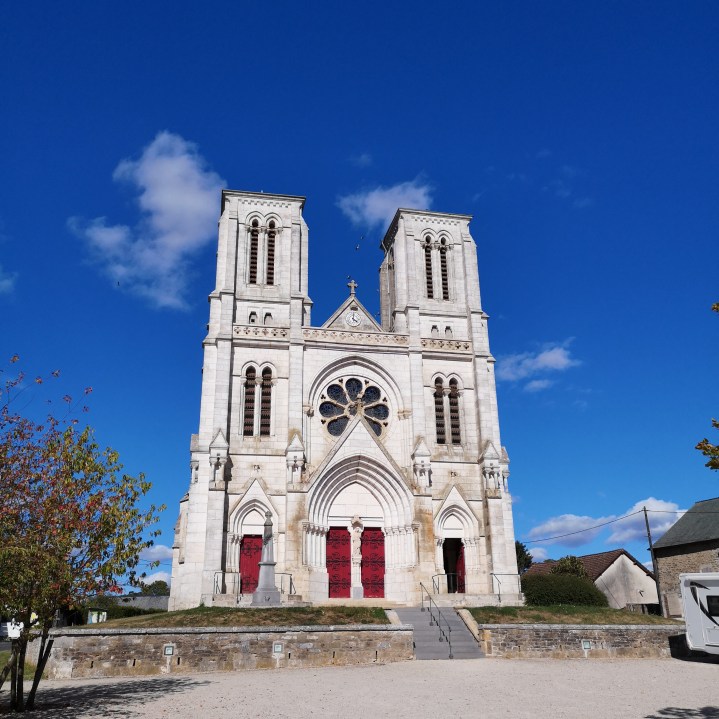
x=562 y=641
x=130 y=652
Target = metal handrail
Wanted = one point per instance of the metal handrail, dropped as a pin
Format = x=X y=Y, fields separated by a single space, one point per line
x=436 y=589
x=499 y=581
x=220 y=583
x=291 y=588
x=443 y=636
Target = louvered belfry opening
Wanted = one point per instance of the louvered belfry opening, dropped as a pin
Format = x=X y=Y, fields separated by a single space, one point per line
x=248 y=427
x=428 y=267
x=444 y=270
x=271 y=235
x=439 y=411
x=265 y=402
x=454 y=412
x=254 y=250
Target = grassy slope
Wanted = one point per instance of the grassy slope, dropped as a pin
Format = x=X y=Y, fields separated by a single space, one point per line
x=563 y=614
x=283 y=616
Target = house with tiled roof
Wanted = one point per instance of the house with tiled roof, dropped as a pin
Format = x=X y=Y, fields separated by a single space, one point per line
x=625 y=582
x=691 y=544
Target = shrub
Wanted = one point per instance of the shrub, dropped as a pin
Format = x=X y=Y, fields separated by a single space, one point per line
x=542 y=590
x=569 y=565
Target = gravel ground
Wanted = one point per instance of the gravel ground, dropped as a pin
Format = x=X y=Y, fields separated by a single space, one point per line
x=409 y=690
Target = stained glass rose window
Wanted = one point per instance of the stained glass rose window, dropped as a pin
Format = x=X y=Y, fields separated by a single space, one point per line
x=346 y=398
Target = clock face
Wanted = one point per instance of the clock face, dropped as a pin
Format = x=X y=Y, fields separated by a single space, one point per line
x=353 y=318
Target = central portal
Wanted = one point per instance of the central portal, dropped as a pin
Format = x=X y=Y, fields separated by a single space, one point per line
x=373 y=562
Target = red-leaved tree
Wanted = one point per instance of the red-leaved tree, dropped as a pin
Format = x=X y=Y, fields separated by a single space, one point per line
x=70 y=525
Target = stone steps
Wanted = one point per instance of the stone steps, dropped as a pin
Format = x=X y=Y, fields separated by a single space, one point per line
x=427 y=644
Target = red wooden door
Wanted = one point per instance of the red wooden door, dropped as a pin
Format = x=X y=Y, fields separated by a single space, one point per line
x=460 y=569
x=250 y=555
x=339 y=569
x=373 y=562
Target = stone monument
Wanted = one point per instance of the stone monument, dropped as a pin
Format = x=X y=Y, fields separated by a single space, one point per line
x=267 y=594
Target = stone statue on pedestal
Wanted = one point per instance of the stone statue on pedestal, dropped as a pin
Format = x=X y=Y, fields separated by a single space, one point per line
x=267 y=593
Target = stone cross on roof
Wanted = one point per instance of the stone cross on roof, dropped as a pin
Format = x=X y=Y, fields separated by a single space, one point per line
x=353 y=286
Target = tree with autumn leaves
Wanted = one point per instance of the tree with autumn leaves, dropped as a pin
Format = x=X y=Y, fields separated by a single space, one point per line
x=709 y=450
x=70 y=524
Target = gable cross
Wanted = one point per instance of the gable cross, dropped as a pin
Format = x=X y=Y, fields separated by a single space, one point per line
x=353 y=286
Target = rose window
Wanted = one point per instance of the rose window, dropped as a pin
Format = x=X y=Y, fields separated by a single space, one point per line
x=346 y=398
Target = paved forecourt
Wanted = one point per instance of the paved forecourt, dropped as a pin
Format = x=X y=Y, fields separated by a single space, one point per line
x=611 y=689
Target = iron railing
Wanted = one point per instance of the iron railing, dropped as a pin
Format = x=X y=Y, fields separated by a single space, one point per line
x=436 y=618
x=229 y=583
x=454 y=585
x=499 y=581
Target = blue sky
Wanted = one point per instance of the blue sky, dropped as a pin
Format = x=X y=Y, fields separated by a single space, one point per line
x=581 y=136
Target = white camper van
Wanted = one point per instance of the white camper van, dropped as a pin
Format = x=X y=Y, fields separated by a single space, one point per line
x=700 y=597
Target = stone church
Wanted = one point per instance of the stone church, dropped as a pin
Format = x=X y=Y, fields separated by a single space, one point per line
x=374 y=446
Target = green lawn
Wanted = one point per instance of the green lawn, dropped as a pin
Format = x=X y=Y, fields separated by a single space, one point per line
x=562 y=614
x=225 y=617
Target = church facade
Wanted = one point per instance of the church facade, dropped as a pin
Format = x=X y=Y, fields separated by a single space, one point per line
x=373 y=446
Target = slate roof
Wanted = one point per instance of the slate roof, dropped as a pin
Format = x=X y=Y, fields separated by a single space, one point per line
x=699 y=524
x=594 y=564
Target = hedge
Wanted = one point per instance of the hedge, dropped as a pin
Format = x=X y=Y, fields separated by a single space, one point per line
x=542 y=590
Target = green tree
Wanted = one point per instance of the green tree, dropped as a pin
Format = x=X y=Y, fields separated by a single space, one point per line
x=158 y=588
x=709 y=450
x=70 y=526
x=524 y=557
x=569 y=565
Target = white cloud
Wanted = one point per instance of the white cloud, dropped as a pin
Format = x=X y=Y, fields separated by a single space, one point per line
x=567 y=524
x=552 y=358
x=157 y=577
x=662 y=515
x=157 y=553
x=539 y=554
x=178 y=197
x=363 y=160
x=537 y=385
x=378 y=206
x=7 y=281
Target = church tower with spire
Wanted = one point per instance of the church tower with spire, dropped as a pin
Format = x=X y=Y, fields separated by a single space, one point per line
x=374 y=447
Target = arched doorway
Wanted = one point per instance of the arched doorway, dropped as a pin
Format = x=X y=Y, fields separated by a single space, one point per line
x=359 y=520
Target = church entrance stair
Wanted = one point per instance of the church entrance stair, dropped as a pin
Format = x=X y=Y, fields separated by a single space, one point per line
x=427 y=644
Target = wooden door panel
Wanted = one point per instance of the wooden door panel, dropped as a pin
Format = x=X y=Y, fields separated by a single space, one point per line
x=250 y=555
x=373 y=562
x=339 y=570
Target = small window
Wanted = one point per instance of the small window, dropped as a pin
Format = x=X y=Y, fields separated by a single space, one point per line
x=435 y=331
x=268 y=319
x=253 y=318
x=448 y=333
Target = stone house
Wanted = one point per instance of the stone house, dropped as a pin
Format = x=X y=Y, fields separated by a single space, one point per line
x=689 y=545
x=373 y=445
x=625 y=582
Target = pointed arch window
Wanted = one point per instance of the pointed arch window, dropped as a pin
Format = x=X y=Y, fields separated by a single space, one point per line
x=439 y=411
x=443 y=268
x=428 y=267
x=254 y=251
x=271 y=237
x=248 y=426
x=266 y=402
x=454 y=427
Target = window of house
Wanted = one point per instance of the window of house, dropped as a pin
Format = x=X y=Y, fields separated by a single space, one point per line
x=439 y=411
x=447 y=412
x=454 y=412
x=443 y=268
x=248 y=426
x=428 y=266
x=265 y=402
